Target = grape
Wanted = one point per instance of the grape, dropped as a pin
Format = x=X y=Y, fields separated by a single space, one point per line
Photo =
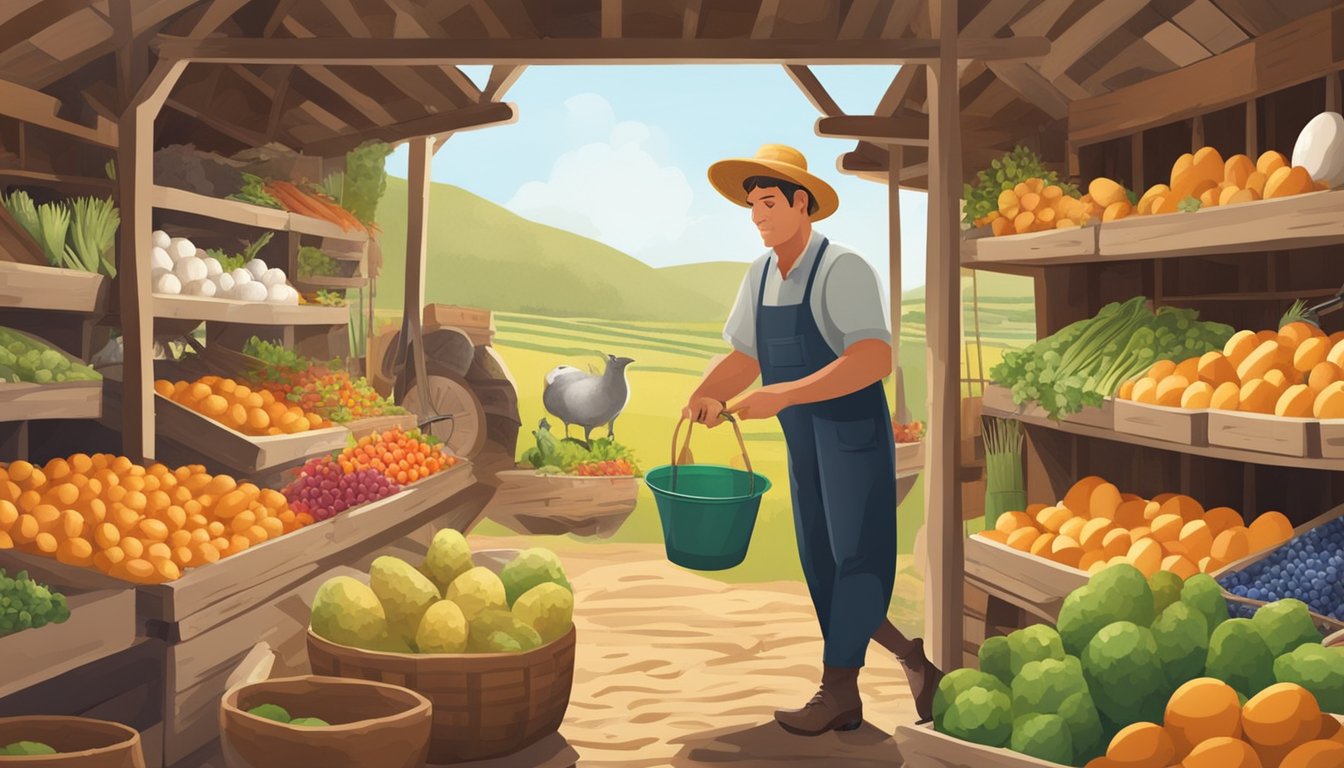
x=1307 y=568
x=323 y=490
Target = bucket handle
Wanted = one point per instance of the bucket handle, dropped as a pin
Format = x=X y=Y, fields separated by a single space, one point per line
x=686 y=450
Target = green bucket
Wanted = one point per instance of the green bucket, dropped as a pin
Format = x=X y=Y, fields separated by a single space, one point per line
x=708 y=511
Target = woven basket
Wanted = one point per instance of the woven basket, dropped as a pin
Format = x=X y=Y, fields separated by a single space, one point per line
x=82 y=742
x=486 y=705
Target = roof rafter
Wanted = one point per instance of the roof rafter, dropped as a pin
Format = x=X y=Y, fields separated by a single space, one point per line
x=502 y=77
x=474 y=116
x=812 y=88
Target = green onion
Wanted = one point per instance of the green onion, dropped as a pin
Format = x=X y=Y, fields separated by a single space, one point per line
x=1005 y=488
x=93 y=229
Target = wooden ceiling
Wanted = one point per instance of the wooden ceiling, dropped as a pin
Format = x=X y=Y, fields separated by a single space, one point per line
x=83 y=54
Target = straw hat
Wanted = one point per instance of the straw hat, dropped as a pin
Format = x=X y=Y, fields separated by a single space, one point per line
x=780 y=162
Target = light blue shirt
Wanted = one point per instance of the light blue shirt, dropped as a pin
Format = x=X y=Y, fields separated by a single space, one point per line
x=847 y=298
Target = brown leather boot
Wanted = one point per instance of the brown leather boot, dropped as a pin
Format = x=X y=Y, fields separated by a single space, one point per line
x=923 y=679
x=835 y=707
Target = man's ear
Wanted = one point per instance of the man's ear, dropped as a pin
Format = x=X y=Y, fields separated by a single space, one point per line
x=800 y=200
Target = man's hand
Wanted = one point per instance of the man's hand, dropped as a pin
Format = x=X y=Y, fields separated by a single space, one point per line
x=764 y=403
x=704 y=410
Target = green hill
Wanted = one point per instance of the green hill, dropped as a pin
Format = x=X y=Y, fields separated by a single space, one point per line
x=481 y=254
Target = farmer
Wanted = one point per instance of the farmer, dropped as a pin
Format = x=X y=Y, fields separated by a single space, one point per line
x=811 y=322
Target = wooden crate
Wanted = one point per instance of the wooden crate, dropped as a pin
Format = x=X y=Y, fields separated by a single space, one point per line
x=527 y=502
x=361 y=427
x=1255 y=557
x=1032 y=583
x=1033 y=247
x=64 y=400
x=478 y=324
x=909 y=459
x=1263 y=432
x=243 y=453
x=1330 y=438
x=998 y=401
x=1175 y=425
x=101 y=623
x=65 y=290
x=923 y=747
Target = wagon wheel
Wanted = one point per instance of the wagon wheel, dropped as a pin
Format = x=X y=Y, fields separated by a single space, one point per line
x=464 y=433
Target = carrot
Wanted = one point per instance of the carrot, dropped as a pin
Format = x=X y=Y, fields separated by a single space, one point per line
x=294 y=200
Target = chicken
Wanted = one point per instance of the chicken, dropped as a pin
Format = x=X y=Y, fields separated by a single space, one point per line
x=587 y=399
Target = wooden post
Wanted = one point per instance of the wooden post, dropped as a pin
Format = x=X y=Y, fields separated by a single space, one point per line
x=417 y=236
x=1136 y=162
x=942 y=498
x=135 y=180
x=1196 y=132
x=895 y=162
x=1252 y=130
x=1333 y=97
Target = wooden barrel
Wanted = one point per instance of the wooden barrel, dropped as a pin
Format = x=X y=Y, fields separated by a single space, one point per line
x=371 y=724
x=80 y=741
x=527 y=502
x=486 y=705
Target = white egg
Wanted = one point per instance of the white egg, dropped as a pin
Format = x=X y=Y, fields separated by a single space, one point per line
x=159 y=259
x=273 y=276
x=277 y=293
x=168 y=283
x=160 y=239
x=156 y=273
x=224 y=282
x=181 y=248
x=1320 y=148
x=189 y=269
x=212 y=266
x=257 y=267
x=251 y=291
x=200 y=288
x=241 y=276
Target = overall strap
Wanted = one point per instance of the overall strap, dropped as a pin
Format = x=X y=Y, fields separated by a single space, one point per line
x=816 y=265
x=765 y=275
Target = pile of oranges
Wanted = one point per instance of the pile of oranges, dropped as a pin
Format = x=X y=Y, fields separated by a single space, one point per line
x=240 y=408
x=141 y=524
x=403 y=457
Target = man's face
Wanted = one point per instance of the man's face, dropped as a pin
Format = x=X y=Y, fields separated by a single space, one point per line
x=775 y=216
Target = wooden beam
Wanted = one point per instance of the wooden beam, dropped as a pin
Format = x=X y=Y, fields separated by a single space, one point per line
x=1085 y=33
x=417 y=241
x=501 y=80
x=612 y=12
x=899 y=17
x=135 y=161
x=1300 y=51
x=765 y=19
x=690 y=20
x=857 y=20
x=895 y=163
x=812 y=88
x=476 y=116
x=241 y=134
x=278 y=105
x=40 y=109
x=282 y=9
x=505 y=19
x=1032 y=87
x=1252 y=128
x=27 y=23
x=576 y=51
x=944 y=529
x=900 y=86
x=904 y=131
x=146 y=21
x=216 y=13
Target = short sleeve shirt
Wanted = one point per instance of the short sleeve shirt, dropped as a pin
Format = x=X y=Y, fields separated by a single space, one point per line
x=847 y=299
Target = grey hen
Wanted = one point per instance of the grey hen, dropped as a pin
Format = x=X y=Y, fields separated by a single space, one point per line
x=587 y=399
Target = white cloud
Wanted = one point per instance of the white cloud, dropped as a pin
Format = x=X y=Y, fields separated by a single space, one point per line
x=612 y=187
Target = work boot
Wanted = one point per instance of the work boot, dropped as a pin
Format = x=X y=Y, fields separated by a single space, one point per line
x=835 y=707
x=922 y=677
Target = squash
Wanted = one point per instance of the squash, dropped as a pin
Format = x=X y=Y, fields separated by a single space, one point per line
x=1287 y=181
x=1116 y=211
x=1103 y=502
x=1162 y=369
x=1228 y=193
x=1268 y=530
x=1106 y=192
x=1130 y=513
x=1196 y=538
x=1197 y=396
x=1073 y=527
x=1065 y=551
x=1270 y=162
x=1256 y=183
x=1166 y=527
x=1219 y=519
x=1295 y=402
x=1042 y=544
x=1078 y=499
x=1145 y=391
x=1145 y=205
x=1329 y=404
x=1318 y=753
x=1210 y=197
x=1208 y=164
x=1023 y=538
x=1226 y=397
x=1215 y=368
x=1256 y=364
x=1281 y=715
x=1237 y=170
x=1231 y=545
x=1141 y=745
x=1258 y=396
x=1146 y=555
x=1223 y=752
x=1310 y=353
x=1093 y=533
x=1169 y=390
x=1011 y=521
x=1322 y=375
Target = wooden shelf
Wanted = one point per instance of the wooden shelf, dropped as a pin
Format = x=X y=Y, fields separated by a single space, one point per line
x=333 y=282
x=64 y=400
x=1300 y=221
x=1213 y=452
x=169 y=198
x=212 y=310
x=909 y=459
x=25 y=286
x=101 y=623
x=43 y=178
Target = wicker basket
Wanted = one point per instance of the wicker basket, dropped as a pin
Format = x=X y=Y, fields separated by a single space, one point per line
x=486 y=705
x=371 y=724
x=82 y=742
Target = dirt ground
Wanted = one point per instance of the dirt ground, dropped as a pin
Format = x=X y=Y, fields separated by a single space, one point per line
x=675 y=669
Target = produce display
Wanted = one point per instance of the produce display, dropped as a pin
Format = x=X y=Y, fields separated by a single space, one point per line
x=254 y=191
x=314 y=263
x=1296 y=371
x=239 y=408
x=1096 y=526
x=1132 y=652
x=401 y=456
x=324 y=489
x=25 y=604
x=1005 y=486
x=1309 y=568
x=137 y=523
x=912 y=432
x=180 y=268
x=1004 y=175
x=281 y=715
x=365 y=181
x=74 y=234
x=316 y=203
x=24 y=358
x=1088 y=361
x=448 y=604
x=324 y=388
x=1203 y=179
x=26 y=749
x=602 y=456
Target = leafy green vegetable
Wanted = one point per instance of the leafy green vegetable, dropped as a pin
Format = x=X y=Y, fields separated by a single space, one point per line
x=23 y=358
x=1189 y=205
x=237 y=260
x=48 y=225
x=314 y=263
x=365 y=181
x=334 y=186
x=25 y=604
x=331 y=299
x=254 y=191
x=1004 y=174
x=553 y=456
x=1087 y=361
x=93 y=230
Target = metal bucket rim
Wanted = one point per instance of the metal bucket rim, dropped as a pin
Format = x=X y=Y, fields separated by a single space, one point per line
x=763 y=485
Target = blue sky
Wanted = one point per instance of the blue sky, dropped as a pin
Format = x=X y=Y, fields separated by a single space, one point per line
x=619 y=154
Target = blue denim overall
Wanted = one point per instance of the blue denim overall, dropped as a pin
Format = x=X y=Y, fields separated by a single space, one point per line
x=842 y=469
